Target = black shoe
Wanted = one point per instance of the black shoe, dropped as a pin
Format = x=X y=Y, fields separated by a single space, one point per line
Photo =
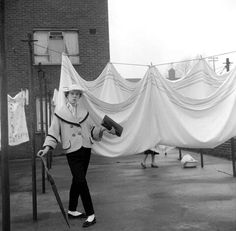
x=154 y=166
x=89 y=223
x=82 y=215
x=143 y=165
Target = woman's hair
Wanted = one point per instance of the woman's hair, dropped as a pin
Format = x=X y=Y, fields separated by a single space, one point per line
x=66 y=93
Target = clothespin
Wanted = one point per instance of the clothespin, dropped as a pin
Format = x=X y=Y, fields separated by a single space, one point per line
x=150 y=65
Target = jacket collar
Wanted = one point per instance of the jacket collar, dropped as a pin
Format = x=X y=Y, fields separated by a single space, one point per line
x=65 y=114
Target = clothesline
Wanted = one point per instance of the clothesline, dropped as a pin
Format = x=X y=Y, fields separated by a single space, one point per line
x=131 y=64
x=160 y=64
x=189 y=60
x=198 y=111
x=48 y=49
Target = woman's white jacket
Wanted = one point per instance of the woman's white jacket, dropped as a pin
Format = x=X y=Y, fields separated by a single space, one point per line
x=72 y=132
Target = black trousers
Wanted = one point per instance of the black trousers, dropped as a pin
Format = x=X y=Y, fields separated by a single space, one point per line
x=78 y=162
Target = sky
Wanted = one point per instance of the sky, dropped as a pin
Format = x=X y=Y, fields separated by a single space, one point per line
x=165 y=31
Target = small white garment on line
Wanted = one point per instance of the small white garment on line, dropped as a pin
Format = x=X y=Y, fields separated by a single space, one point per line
x=157 y=111
x=17 y=128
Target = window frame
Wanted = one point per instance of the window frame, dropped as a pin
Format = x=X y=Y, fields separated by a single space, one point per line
x=58 y=30
x=38 y=114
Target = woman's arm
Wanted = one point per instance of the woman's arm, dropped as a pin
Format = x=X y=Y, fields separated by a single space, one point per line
x=43 y=152
x=97 y=133
x=52 y=138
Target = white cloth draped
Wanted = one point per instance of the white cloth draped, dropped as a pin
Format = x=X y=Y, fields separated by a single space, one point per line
x=17 y=128
x=197 y=111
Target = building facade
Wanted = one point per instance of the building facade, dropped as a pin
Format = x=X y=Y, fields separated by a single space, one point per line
x=77 y=27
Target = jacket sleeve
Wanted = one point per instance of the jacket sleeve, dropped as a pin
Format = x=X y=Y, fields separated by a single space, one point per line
x=53 y=137
x=96 y=133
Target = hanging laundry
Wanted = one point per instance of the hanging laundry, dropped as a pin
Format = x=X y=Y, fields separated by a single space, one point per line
x=196 y=111
x=17 y=128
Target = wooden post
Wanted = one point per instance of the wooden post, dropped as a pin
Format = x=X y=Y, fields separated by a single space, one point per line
x=32 y=123
x=6 y=216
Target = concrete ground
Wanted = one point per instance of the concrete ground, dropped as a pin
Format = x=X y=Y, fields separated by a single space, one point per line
x=127 y=197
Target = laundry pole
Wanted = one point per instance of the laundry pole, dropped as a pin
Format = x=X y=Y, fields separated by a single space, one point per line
x=6 y=216
x=32 y=116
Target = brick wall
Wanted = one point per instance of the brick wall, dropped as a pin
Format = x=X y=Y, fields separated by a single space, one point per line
x=22 y=16
x=223 y=150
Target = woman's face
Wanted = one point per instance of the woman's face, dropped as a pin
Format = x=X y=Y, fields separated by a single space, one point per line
x=73 y=96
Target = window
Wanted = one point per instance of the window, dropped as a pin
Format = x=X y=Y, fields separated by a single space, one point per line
x=50 y=45
x=38 y=115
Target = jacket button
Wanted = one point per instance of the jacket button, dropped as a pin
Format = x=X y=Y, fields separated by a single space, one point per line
x=73 y=135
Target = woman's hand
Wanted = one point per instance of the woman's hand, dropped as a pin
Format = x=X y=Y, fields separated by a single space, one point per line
x=101 y=132
x=103 y=129
x=43 y=151
x=112 y=131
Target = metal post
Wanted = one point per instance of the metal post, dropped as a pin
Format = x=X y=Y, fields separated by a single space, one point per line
x=201 y=154
x=180 y=154
x=32 y=123
x=46 y=115
x=49 y=123
x=233 y=156
x=227 y=65
x=50 y=107
x=6 y=225
x=40 y=78
x=46 y=103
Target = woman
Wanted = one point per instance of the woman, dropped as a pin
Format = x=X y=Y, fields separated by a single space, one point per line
x=72 y=126
x=153 y=153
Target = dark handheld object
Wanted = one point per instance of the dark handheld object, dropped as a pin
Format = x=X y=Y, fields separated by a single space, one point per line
x=149 y=151
x=108 y=123
x=54 y=189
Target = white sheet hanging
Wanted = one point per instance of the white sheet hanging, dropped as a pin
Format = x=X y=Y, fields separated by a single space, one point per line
x=155 y=111
x=200 y=81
